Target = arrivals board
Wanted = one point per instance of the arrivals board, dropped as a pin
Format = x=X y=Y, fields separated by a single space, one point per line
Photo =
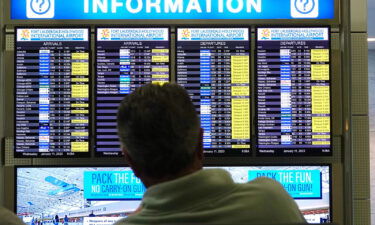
x=293 y=91
x=213 y=64
x=126 y=58
x=52 y=92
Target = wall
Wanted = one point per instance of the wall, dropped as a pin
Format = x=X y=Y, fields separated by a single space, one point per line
x=371 y=76
x=356 y=150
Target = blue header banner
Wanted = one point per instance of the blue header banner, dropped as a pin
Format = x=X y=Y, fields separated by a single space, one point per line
x=112 y=185
x=171 y=9
x=300 y=184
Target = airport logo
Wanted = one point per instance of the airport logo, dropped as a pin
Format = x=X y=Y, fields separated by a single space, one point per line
x=105 y=34
x=25 y=35
x=40 y=9
x=185 y=34
x=265 y=34
x=304 y=8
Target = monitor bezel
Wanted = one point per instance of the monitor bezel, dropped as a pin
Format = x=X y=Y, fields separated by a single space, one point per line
x=65 y=155
x=278 y=152
x=210 y=166
x=116 y=154
x=239 y=26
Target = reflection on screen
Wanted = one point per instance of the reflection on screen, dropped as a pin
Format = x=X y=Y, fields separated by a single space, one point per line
x=52 y=92
x=113 y=192
x=293 y=91
x=213 y=65
x=126 y=58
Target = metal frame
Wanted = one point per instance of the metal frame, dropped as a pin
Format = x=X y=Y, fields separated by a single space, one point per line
x=345 y=37
x=2 y=142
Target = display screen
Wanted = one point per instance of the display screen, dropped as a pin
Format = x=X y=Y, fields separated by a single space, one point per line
x=213 y=65
x=44 y=192
x=114 y=192
x=52 y=92
x=293 y=91
x=308 y=185
x=126 y=58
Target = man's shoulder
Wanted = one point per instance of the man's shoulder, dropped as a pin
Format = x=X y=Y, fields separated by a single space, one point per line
x=261 y=195
x=120 y=222
x=9 y=218
x=264 y=191
x=263 y=185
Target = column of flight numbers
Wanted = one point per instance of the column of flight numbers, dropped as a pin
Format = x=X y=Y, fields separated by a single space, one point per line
x=300 y=98
x=309 y=100
x=292 y=90
x=69 y=100
x=143 y=64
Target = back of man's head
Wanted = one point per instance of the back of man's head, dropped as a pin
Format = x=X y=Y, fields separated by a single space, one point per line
x=159 y=129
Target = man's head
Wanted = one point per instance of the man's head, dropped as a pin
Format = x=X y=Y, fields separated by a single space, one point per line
x=160 y=132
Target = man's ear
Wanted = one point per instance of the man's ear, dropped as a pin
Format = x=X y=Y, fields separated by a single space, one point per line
x=130 y=161
x=199 y=149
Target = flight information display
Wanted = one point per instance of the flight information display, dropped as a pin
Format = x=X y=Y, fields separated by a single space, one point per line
x=126 y=58
x=293 y=91
x=52 y=92
x=213 y=65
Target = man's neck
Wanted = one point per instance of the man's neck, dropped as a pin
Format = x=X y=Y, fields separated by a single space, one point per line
x=148 y=182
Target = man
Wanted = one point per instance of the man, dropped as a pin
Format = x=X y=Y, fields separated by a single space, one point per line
x=162 y=142
x=9 y=218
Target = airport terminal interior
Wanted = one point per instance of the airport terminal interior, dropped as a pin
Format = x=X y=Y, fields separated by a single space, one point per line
x=283 y=89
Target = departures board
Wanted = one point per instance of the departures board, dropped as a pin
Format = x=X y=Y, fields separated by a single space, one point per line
x=52 y=92
x=213 y=65
x=293 y=91
x=126 y=58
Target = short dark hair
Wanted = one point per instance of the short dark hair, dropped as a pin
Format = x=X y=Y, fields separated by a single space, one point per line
x=160 y=128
